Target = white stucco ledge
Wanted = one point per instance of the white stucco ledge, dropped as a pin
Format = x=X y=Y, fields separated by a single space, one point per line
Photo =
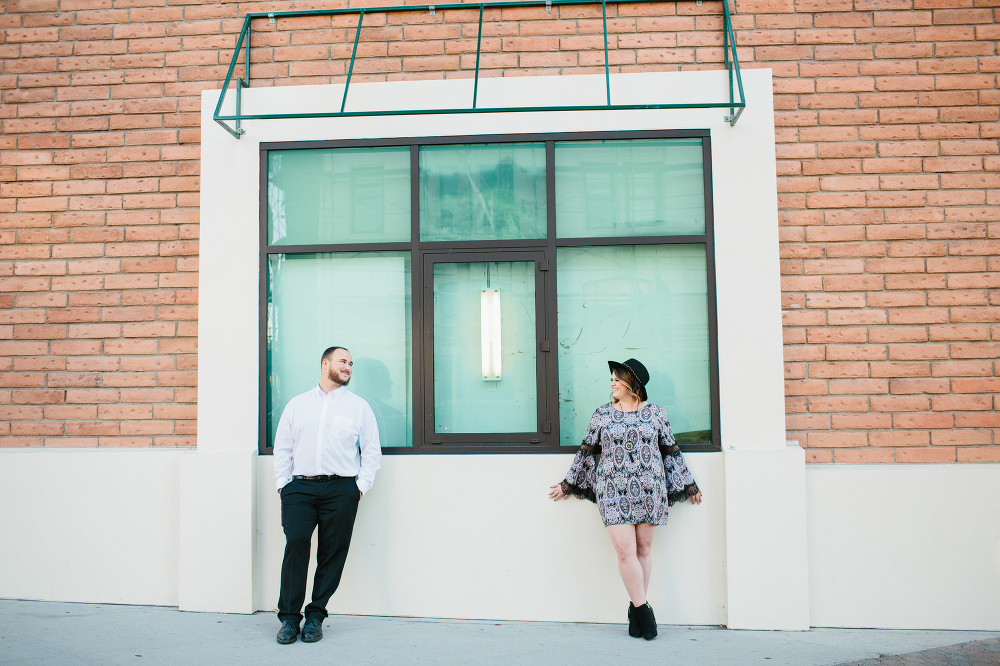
x=767 y=572
x=217 y=520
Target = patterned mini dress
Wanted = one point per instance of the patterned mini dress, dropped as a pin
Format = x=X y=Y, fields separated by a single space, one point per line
x=631 y=466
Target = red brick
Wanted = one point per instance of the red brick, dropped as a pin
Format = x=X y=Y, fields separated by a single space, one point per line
x=966 y=332
x=900 y=438
x=979 y=454
x=925 y=455
x=961 y=369
x=818 y=456
x=918 y=386
x=38 y=397
x=929 y=421
x=838 y=404
x=805 y=387
x=834 y=335
x=866 y=421
x=837 y=370
x=984 y=351
x=977 y=420
x=892 y=370
x=836 y=439
x=864 y=455
x=918 y=316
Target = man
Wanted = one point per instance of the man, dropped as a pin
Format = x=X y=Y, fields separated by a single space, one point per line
x=326 y=454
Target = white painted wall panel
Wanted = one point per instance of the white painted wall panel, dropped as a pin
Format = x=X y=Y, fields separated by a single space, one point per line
x=904 y=546
x=477 y=537
x=91 y=525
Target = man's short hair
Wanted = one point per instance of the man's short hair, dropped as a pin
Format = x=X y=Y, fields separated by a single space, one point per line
x=329 y=352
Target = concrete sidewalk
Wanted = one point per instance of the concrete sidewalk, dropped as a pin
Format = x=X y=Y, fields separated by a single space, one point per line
x=51 y=633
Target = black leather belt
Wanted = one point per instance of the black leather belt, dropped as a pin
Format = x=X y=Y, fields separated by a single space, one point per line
x=320 y=477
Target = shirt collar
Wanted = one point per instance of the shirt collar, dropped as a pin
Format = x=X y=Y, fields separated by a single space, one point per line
x=321 y=393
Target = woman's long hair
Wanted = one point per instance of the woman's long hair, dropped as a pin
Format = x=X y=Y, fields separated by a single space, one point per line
x=632 y=385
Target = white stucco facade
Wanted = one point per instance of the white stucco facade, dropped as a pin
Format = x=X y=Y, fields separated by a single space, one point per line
x=775 y=544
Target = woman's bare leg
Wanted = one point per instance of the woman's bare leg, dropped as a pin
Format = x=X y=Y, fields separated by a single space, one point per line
x=624 y=538
x=644 y=551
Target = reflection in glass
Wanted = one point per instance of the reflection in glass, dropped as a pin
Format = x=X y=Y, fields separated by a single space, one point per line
x=482 y=192
x=463 y=401
x=360 y=301
x=338 y=195
x=649 y=187
x=647 y=302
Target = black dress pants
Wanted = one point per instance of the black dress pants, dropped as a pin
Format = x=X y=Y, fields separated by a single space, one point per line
x=305 y=505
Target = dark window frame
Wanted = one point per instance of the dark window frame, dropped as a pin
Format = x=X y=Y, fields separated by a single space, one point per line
x=424 y=253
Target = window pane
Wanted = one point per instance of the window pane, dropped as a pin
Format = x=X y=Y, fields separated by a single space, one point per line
x=482 y=192
x=645 y=302
x=629 y=188
x=358 y=300
x=343 y=195
x=465 y=401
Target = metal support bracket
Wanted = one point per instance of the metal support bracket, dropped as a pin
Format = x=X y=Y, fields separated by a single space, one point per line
x=734 y=105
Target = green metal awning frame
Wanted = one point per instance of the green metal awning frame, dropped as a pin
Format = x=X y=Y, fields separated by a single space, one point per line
x=732 y=65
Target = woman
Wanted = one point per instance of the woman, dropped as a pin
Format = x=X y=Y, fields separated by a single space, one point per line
x=630 y=465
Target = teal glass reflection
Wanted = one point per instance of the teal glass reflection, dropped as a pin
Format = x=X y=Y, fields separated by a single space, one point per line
x=482 y=192
x=648 y=302
x=357 y=300
x=465 y=402
x=639 y=187
x=338 y=195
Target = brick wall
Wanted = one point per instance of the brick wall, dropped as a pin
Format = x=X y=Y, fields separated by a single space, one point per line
x=889 y=192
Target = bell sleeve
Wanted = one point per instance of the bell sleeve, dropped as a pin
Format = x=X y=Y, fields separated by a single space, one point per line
x=680 y=482
x=580 y=479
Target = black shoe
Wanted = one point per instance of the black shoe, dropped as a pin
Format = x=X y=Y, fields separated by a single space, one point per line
x=313 y=630
x=289 y=632
x=647 y=621
x=634 y=630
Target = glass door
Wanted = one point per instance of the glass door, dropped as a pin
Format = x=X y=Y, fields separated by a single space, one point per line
x=485 y=344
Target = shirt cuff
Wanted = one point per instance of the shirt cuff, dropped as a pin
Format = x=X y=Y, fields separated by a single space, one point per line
x=363 y=486
x=282 y=483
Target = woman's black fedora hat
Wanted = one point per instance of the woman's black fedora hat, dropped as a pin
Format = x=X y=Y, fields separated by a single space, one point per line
x=633 y=366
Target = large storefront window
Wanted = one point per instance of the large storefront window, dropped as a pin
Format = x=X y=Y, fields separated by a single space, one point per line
x=482 y=283
x=482 y=192
x=357 y=300
x=651 y=302
x=338 y=196
x=629 y=188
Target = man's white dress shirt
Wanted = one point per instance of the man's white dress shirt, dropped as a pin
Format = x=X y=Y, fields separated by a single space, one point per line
x=327 y=433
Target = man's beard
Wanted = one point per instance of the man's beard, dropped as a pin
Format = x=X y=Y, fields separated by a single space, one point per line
x=334 y=377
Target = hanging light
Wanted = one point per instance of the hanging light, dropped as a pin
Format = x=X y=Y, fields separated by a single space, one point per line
x=490 y=333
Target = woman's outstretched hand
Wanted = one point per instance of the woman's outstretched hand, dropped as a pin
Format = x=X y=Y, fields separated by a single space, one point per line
x=556 y=492
x=696 y=498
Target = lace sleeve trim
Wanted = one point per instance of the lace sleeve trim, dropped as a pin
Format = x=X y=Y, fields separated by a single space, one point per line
x=576 y=491
x=669 y=450
x=689 y=491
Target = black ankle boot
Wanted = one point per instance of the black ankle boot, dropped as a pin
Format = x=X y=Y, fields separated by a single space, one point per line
x=634 y=630
x=647 y=621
